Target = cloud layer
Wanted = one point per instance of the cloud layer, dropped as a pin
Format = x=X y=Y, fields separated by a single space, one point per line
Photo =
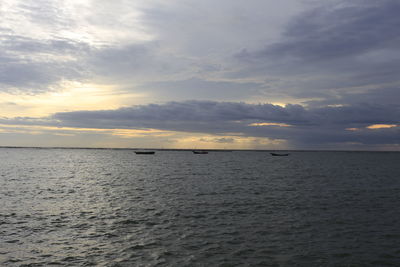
x=341 y=53
x=300 y=127
x=202 y=67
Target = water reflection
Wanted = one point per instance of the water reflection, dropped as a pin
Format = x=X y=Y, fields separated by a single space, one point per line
x=102 y=207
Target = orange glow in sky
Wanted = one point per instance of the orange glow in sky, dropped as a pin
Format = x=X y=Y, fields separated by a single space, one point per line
x=381 y=126
x=270 y=124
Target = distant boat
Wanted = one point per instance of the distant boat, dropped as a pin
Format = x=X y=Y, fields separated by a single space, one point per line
x=199 y=152
x=144 y=152
x=278 y=154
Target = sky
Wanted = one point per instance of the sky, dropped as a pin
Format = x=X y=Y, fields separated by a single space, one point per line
x=255 y=74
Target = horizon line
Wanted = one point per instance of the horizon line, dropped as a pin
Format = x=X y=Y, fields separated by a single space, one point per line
x=190 y=149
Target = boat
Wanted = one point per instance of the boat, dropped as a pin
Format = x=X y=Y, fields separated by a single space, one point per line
x=145 y=152
x=199 y=152
x=279 y=154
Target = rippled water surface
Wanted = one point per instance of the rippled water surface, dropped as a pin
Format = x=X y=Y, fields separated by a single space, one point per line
x=73 y=207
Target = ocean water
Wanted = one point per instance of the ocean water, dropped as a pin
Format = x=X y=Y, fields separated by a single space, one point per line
x=88 y=207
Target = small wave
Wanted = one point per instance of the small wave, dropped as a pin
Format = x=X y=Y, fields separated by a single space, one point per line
x=128 y=221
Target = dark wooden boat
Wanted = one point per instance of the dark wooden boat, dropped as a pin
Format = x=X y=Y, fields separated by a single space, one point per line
x=279 y=154
x=145 y=152
x=199 y=152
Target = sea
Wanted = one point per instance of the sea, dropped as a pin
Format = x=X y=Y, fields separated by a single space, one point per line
x=111 y=207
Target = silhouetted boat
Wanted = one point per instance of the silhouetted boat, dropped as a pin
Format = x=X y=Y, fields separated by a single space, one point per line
x=199 y=152
x=144 y=152
x=278 y=154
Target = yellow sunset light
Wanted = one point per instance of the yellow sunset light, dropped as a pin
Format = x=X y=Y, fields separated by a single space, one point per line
x=381 y=126
x=270 y=124
x=70 y=131
x=74 y=96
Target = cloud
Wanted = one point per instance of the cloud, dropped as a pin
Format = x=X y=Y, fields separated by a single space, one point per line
x=291 y=51
x=345 y=31
x=196 y=88
x=34 y=66
x=189 y=111
x=44 y=44
x=331 y=33
x=210 y=29
x=344 y=49
x=308 y=126
x=338 y=59
x=222 y=140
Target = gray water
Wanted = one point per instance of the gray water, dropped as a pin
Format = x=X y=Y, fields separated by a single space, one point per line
x=73 y=207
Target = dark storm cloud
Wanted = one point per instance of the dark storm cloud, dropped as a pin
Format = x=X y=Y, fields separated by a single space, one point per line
x=308 y=126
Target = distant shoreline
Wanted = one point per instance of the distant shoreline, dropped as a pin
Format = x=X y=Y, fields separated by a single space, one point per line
x=189 y=149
